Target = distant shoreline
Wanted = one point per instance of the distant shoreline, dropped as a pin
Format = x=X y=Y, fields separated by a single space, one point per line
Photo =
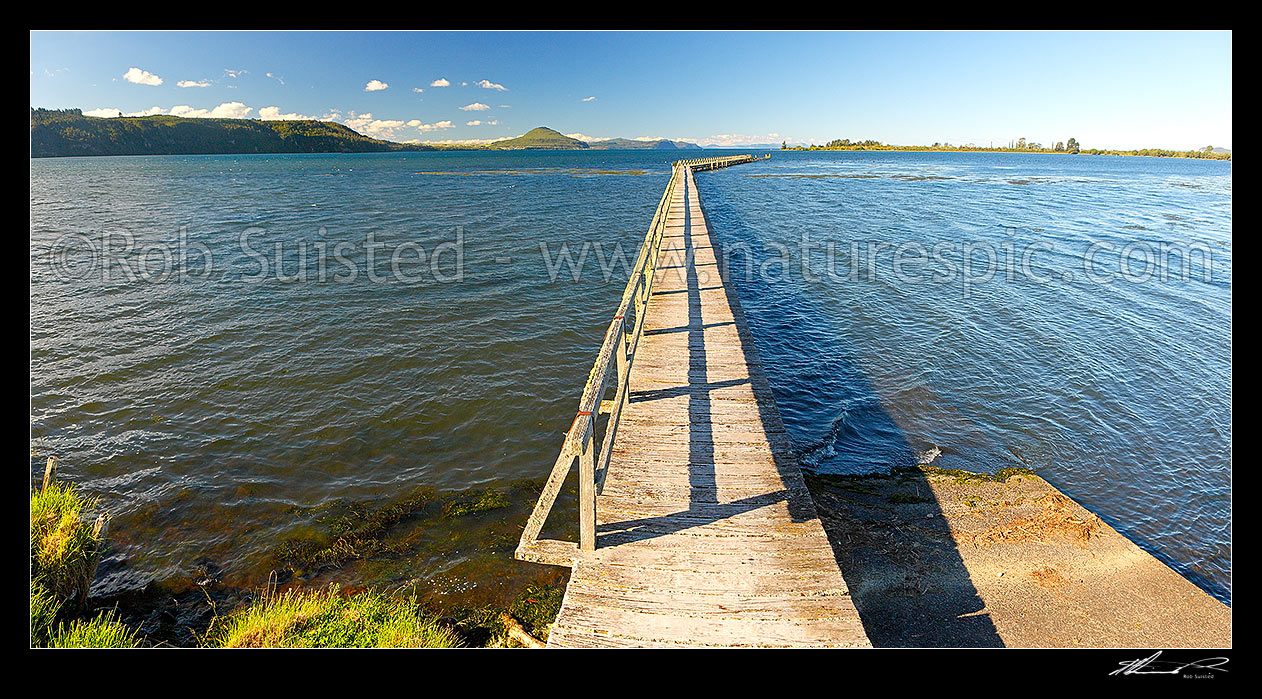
x=1141 y=153
x=403 y=152
x=1223 y=157
x=57 y=133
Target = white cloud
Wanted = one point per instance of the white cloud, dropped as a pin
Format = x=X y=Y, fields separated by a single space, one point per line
x=589 y=139
x=230 y=110
x=193 y=83
x=367 y=125
x=418 y=89
x=435 y=126
x=141 y=77
x=274 y=114
x=461 y=142
x=479 y=122
x=423 y=127
x=441 y=82
x=110 y=112
x=226 y=110
x=277 y=78
x=147 y=112
x=387 y=128
x=475 y=107
x=229 y=72
x=732 y=139
x=588 y=99
x=491 y=86
x=375 y=85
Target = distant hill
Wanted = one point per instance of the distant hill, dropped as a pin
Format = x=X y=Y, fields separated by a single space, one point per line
x=632 y=144
x=67 y=132
x=70 y=133
x=541 y=138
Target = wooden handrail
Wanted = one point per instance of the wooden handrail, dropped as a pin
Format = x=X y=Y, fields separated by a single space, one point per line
x=613 y=363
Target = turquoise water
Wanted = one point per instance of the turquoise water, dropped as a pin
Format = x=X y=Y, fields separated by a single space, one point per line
x=215 y=409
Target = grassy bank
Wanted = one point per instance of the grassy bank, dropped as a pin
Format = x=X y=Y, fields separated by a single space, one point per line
x=68 y=537
x=65 y=549
x=327 y=618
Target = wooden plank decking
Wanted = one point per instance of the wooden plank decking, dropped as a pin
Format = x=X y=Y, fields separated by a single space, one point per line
x=705 y=532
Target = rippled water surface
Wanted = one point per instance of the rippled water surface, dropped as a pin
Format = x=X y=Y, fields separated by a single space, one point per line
x=1115 y=388
x=215 y=413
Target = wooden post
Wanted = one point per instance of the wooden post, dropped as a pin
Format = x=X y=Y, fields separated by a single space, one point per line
x=587 y=491
x=48 y=472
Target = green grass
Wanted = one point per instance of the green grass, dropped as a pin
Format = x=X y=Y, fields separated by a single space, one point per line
x=328 y=619
x=64 y=553
x=64 y=548
x=44 y=608
x=102 y=632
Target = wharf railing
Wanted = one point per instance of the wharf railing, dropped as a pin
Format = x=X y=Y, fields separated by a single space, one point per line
x=609 y=374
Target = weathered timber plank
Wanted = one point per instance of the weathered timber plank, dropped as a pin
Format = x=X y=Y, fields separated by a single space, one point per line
x=706 y=533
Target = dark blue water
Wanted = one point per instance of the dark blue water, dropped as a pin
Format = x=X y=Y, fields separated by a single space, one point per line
x=1110 y=381
x=432 y=341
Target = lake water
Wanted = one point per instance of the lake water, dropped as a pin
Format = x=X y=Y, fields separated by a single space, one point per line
x=218 y=408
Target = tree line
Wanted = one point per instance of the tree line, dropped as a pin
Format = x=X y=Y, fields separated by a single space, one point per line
x=1071 y=146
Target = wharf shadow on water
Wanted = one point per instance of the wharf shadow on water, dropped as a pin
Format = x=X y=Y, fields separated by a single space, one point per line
x=906 y=576
x=893 y=545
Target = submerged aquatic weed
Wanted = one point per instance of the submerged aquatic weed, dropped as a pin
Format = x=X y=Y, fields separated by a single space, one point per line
x=962 y=477
x=480 y=626
x=354 y=532
x=871 y=483
x=328 y=619
x=361 y=522
x=537 y=608
x=472 y=501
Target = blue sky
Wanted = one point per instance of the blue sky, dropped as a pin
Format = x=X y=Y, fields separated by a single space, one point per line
x=1107 y=89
